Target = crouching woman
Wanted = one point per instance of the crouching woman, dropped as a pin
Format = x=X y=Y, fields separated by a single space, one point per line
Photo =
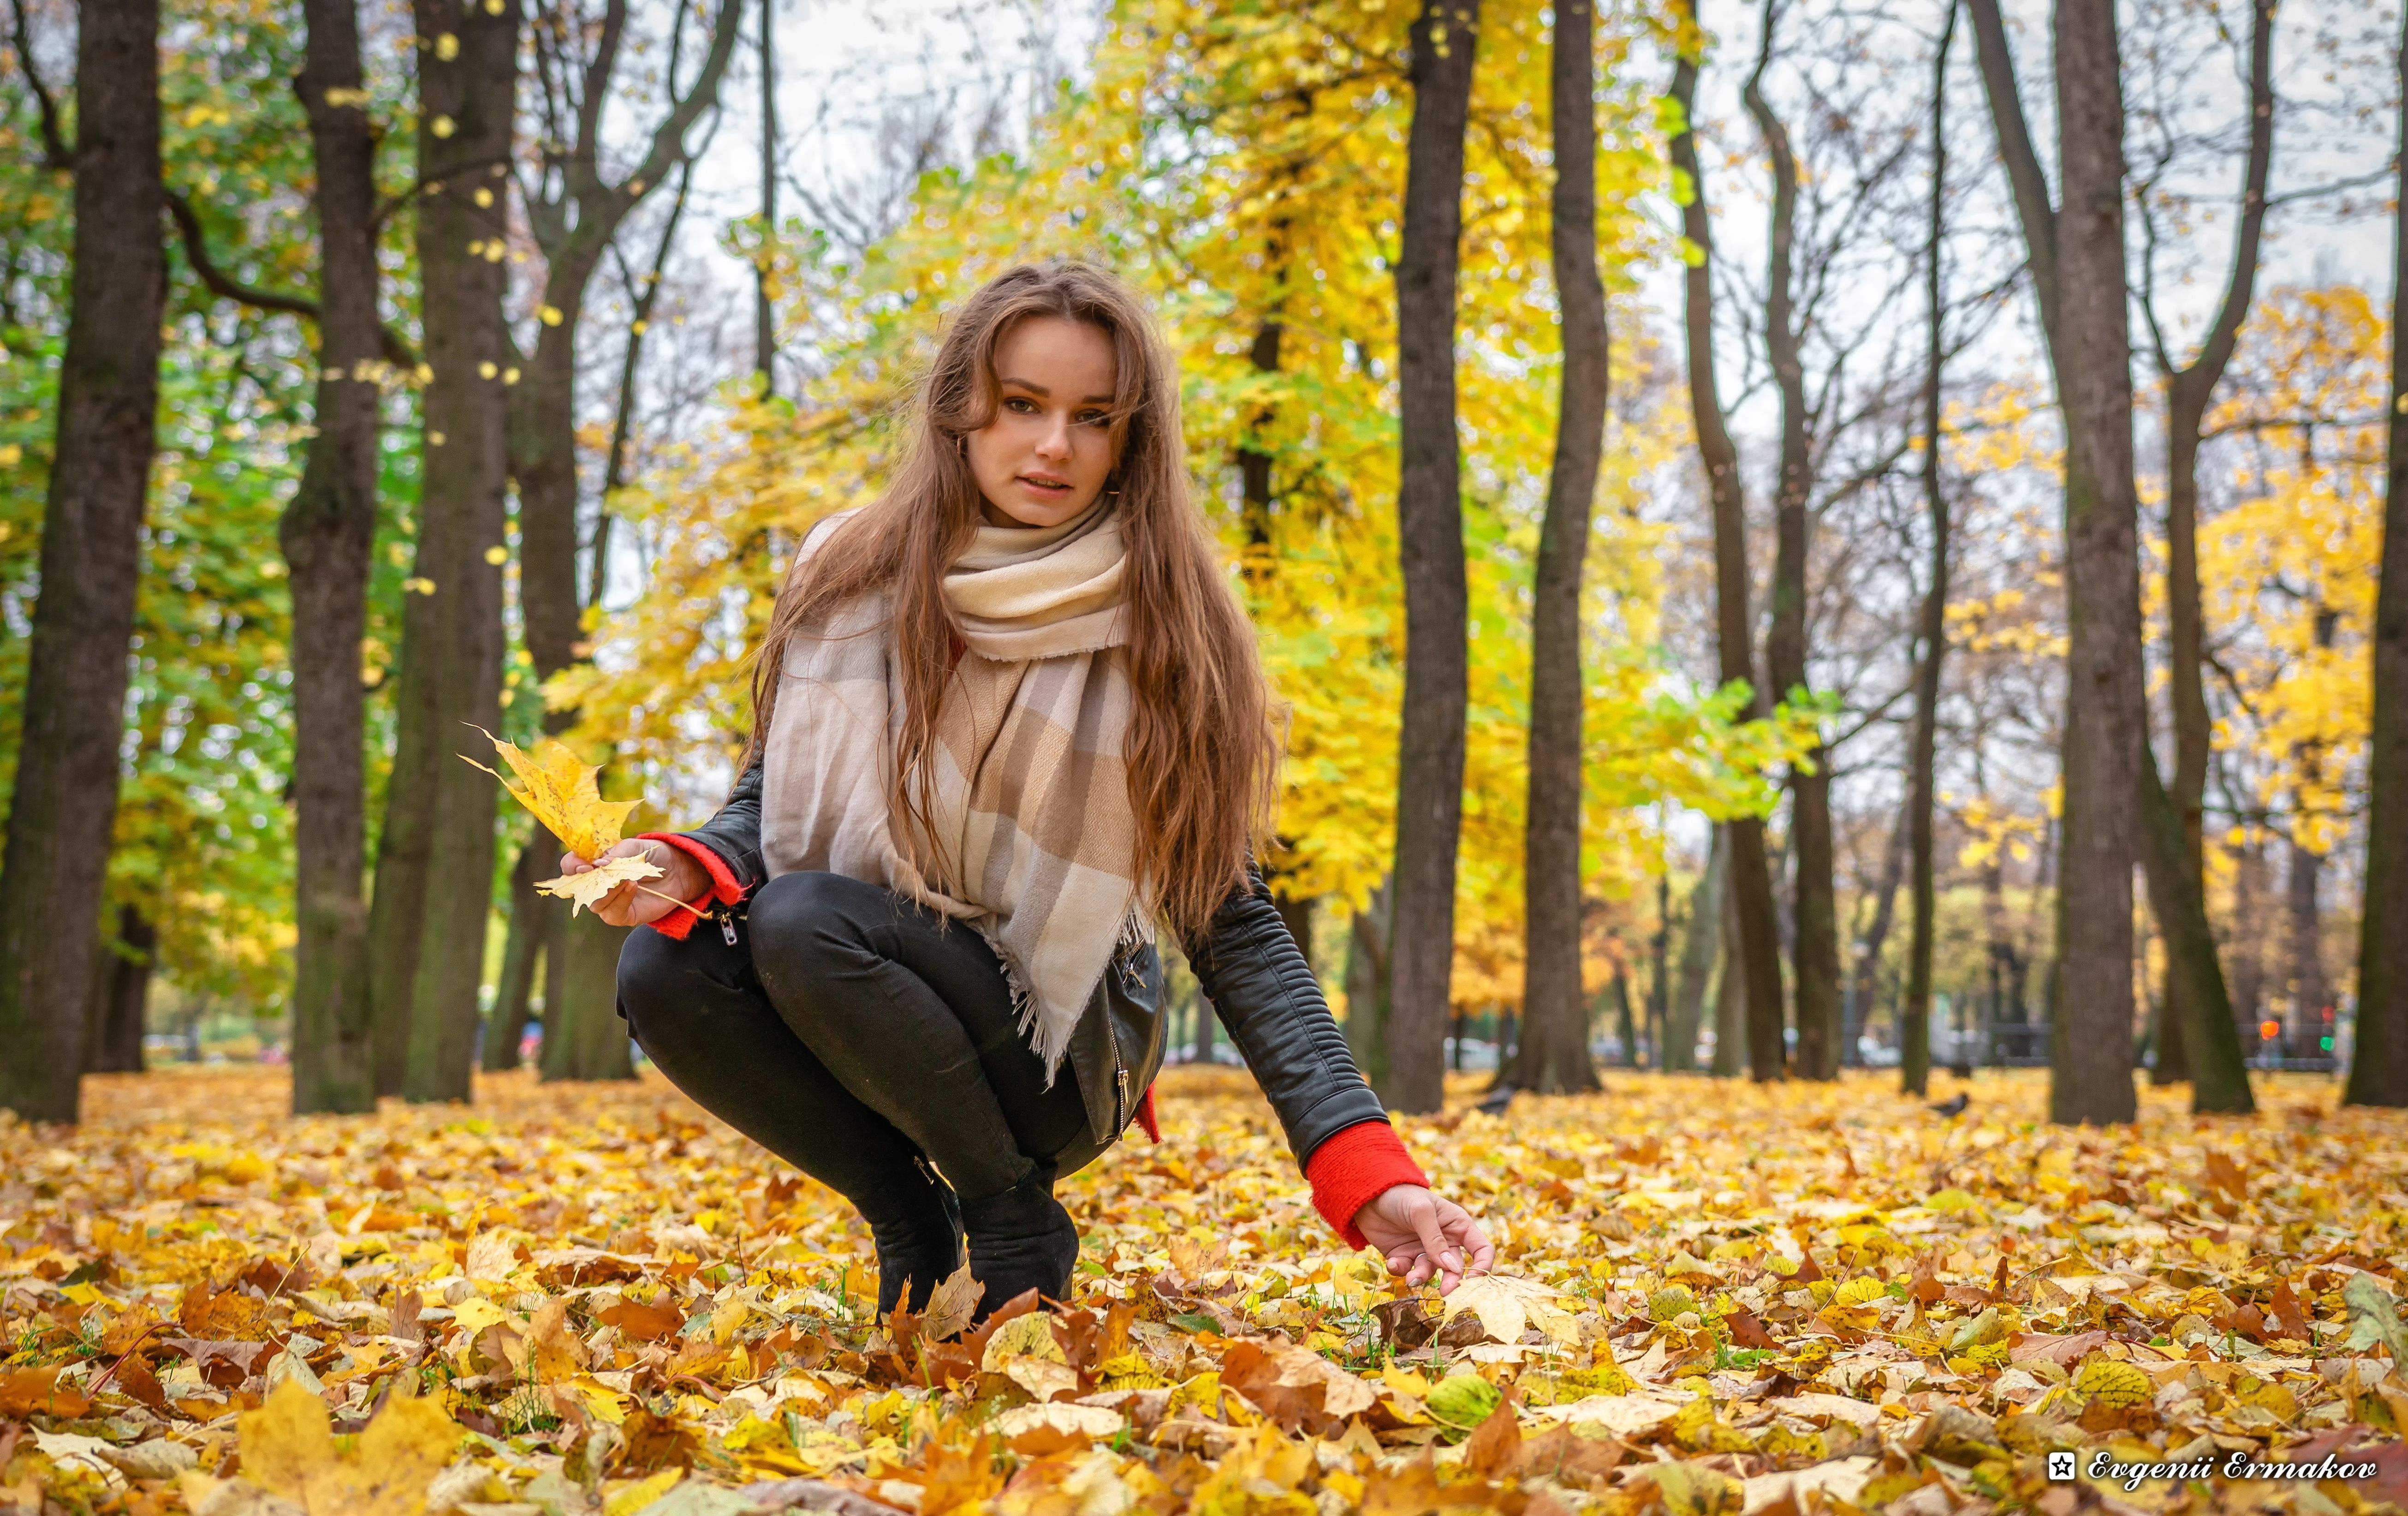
x=1007 y=718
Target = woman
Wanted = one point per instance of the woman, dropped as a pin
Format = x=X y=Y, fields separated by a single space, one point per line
x=1006 y=719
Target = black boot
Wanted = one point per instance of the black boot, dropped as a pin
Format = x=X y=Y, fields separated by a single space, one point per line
x=921 y=1244
x=1021 y=1239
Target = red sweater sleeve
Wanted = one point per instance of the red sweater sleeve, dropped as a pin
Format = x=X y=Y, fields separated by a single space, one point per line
x=1351 y=1169
x=723 y=890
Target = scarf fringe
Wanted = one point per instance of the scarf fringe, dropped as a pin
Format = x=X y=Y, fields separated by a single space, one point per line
x=1052 y=1043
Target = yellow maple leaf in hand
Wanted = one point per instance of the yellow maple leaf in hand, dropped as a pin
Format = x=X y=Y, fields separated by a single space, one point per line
x=586 y=889
x=563 y=796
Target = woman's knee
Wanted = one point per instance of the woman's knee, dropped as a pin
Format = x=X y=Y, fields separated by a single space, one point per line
x=803 y=926
x=660 y=987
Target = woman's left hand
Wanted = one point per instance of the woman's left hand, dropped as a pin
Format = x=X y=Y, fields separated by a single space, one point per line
x=1424 y=1235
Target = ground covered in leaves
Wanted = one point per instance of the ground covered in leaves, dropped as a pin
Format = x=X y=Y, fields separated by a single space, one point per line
x=1711 y=1298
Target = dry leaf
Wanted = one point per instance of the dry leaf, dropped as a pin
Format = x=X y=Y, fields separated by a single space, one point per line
x=564 y=795
x=951 y=1304
x=1502 y=1302
x=288 y=1450
x=585 y=890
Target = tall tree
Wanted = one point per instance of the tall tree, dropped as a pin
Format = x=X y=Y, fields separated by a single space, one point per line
x=1555 y=1021
x=575 y=209
x=1429 y=534
x=1815 y=938
x=1915 y=1012
x=1700 y=944
x=2188 y=389
x=1865 y=981
x=65 y=797
x=327 y=531
x=1755 y=949
x=2076 y=254
x=765 y=308
x=435 y=861
x=2378 y=1070
x=120 y=988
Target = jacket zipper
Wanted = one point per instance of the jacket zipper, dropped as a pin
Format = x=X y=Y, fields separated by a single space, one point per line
x=1120 y=1078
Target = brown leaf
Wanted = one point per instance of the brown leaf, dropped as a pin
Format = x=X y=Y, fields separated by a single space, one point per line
x=2224 y=1174
x=224 y=1365
x=956 y=1478
x=2287 y=1314
x=1496 y=1444
x=1404 y=1324
x=654 y=1442
x=36 y=1391
x=645 y=1324
x=1926 y=1286
x=133 y=1375
x=1410 y=1491
x=1563 y=1455
x=218 y=1314
x=405 y=1307
x=1748 y=1329
x=1294 y=1386
x=951 y=1304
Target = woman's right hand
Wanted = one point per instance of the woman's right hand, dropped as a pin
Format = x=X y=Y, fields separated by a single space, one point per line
x=630 y=906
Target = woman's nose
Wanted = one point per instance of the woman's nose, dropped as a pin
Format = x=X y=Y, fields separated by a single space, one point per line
x=1055 y=441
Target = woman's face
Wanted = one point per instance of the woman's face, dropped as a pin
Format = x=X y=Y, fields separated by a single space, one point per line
x=1047 y=452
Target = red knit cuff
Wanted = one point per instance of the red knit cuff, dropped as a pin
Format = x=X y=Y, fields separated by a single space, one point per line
x=1349 y=1170
x=723 y=890
x=1148 y=1118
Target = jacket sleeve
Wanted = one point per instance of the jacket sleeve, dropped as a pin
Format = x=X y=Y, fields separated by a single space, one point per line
x=1264 y=994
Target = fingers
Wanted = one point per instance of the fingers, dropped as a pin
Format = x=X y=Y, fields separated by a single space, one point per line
x=1412 y=1262
x=1479 y=1254
x=570 y=863
x=1422 y=1215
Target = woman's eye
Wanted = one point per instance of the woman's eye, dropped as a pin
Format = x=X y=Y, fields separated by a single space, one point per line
x=1019 y=407
x=1093 y=418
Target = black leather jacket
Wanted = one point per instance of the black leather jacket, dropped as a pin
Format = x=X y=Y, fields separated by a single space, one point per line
x=1249 y=968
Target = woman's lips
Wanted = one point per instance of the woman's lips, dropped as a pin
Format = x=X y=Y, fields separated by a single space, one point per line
x=1045 y=485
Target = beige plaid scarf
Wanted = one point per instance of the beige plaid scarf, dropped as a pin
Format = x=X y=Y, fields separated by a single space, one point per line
x=1035 y=840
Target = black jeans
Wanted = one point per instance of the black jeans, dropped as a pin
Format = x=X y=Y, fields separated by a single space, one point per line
x=859 y=1037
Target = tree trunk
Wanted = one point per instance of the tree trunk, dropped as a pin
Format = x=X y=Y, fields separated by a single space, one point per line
x=2248 y=959
x=327 y=532
x=2378 y=1070
x=2189 y=392
x=2195 y=997
x=521 y=951
x=1627 y=1023
x=2077 y=259
x=1659 y=983
x=1815 y=935
x=64 y=797
x=121 y=988
x=1429 y=533
x=1915 y=1012
x=1757 y=941
x=1866 y=989
x=1731 y=989
x=439 y=831
x=582 y=974
x=765 y=308
x=543 y=412
x=1700 y=946
x=1555 y=1024
x=2310 y=994
x=1367 y=987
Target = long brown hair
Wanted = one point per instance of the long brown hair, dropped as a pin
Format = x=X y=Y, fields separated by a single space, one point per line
x=1202 y=750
